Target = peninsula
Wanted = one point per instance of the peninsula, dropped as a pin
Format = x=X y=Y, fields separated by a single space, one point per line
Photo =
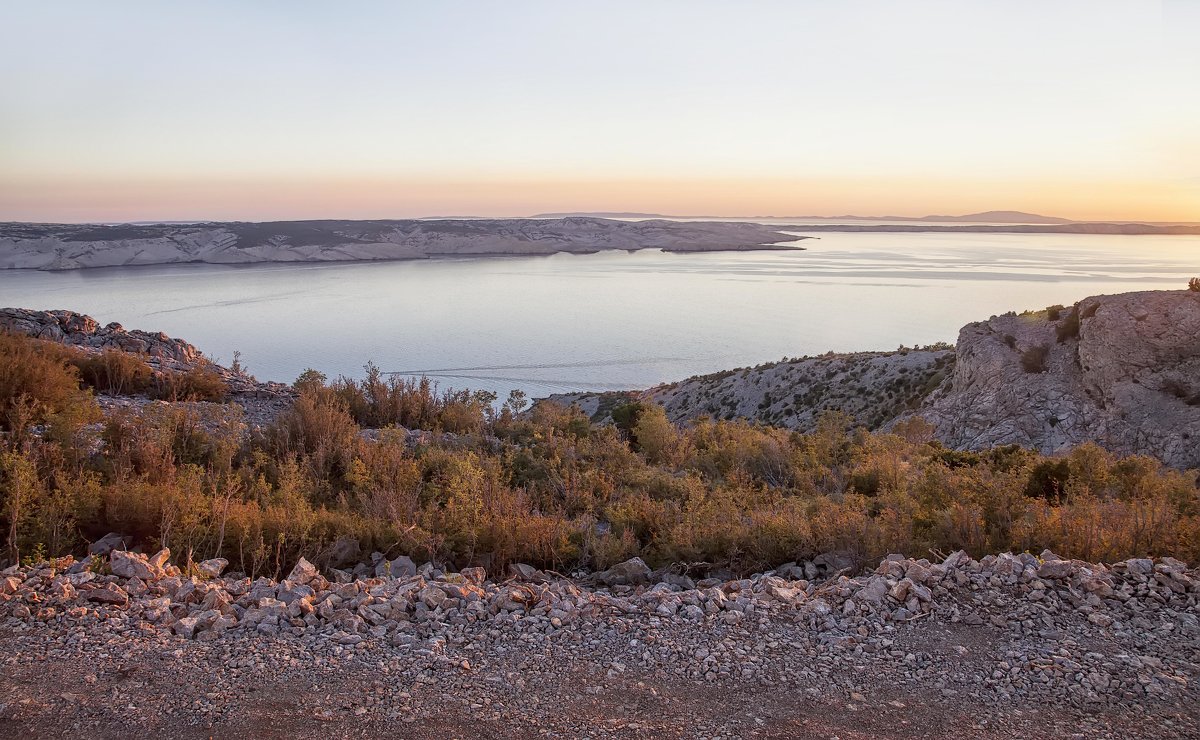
x=74 y=246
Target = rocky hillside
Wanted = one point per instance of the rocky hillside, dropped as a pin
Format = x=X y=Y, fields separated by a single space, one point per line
x=1120 y=370
x=872 y=387
x=64 y=247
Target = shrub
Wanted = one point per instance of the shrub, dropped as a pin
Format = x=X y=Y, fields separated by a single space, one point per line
x=200 y=383
x=552 y=490
x=115 y=373
x=1069 y=328
x=1033 y=360
x=39 y=385
x=1194 y=285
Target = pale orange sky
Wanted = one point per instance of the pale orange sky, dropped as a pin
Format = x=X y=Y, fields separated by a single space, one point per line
x=378 y=198
x=144 y=110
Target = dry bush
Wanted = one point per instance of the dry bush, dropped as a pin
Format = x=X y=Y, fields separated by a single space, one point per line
x=115 y=373
x=200 y=383
x=39 y=385
x=1033 y=360
x=559 y=493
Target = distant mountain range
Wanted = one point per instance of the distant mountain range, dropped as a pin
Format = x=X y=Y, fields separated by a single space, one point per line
x=992 y=217
x=986 y=217
x=604 y=214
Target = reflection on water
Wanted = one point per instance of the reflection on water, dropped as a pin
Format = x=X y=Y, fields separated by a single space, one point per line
x=615 y=320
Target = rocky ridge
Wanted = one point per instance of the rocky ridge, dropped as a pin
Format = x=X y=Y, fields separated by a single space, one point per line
x=872 y=387
x=989 y=638
x=66 y=246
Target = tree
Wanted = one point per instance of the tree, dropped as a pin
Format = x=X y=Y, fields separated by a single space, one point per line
x=310 y=380
x=516 y=401
x=655 y=436
x=18 y=483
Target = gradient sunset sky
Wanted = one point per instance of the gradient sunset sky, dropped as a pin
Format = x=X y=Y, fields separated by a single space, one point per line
x=125 y=110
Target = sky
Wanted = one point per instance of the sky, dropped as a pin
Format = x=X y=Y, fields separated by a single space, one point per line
x=126 y=110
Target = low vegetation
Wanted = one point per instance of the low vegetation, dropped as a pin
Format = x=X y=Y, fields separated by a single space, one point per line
x=546 y=487
x=1033 y=360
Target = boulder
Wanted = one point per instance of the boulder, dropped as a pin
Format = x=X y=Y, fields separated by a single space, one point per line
x=185 y=627
x=524 y=572
x=874 y=592
x=1055 y=570
x=829 y=563
x=132 y=565
x=109 y=593
x=303 y=572
x=401 y=567
x=344 y=551
x=475 y=576
x=107 y=543
x=629 y=573
x=212 y=568
x=9 y=585
x=1140 y=566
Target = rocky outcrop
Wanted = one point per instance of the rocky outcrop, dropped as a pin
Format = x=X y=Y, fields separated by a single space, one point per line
x=80 y=330
x=1122 y=371
x=65 y=247
x=161 y=352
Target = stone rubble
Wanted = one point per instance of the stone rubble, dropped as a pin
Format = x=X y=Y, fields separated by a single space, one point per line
x=1038 y=630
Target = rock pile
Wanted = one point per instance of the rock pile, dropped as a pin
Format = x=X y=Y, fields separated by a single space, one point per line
x=402 y=605
x=984 y=640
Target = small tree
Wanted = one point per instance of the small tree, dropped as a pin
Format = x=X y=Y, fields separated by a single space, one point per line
x=1194 y=285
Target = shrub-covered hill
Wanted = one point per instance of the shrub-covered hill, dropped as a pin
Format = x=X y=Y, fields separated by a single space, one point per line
x=548 y=487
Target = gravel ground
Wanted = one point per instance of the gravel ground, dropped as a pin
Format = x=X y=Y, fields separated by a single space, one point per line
x=1009 y=646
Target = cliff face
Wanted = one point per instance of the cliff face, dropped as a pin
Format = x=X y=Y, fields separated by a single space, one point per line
x=1126 y=377
x=63 y=247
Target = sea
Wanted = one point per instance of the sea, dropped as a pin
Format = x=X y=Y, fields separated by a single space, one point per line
x=611 y=320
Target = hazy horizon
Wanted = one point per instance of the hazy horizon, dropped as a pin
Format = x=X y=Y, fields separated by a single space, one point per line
x=139 y=111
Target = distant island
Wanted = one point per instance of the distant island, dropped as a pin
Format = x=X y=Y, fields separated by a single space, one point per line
x=985 y=217
x=1003 y=217
x=999 y=222
x=74 y=246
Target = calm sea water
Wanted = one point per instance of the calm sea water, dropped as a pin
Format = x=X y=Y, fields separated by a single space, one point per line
x=613 y=320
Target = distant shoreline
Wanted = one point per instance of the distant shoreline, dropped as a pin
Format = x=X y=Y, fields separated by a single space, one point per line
x=1079 y=228
x=80 y=246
